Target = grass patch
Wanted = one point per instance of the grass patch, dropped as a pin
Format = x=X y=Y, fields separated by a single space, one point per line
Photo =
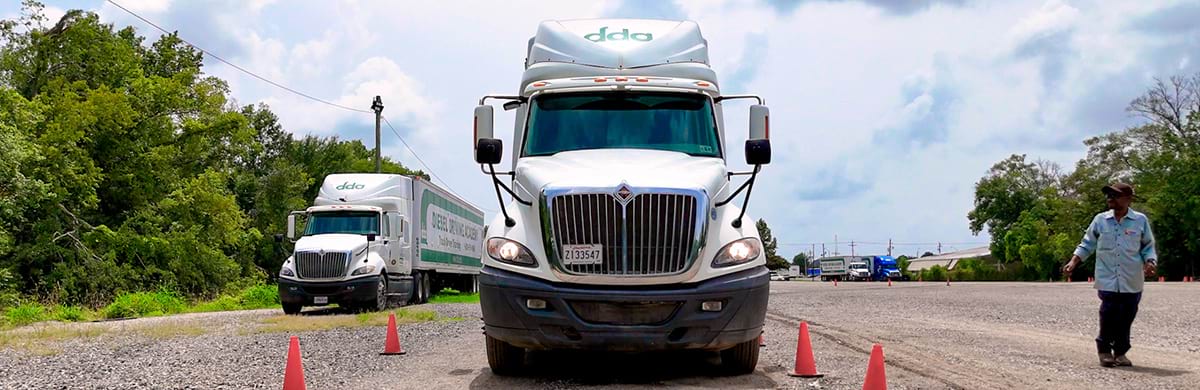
x=38 y=340
x=311 y=323
x=169 y=330
x=454 y=296
x=25 y=314
x=145 y=304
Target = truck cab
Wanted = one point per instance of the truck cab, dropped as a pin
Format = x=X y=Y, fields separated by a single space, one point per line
x=371 y=240
x=621 y=233
x=859 y=271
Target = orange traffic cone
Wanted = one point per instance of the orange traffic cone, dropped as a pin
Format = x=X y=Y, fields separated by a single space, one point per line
x=947 y=281
x=392 y=344
x=293 y=375
x=761 y=342
x=1162 y=278
x=805 y=367
x=876 y=377
x=889 y=282
x=835 y=283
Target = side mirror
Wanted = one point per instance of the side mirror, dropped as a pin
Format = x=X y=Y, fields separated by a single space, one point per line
x=489 y=150
x=291 y=225
x=758 y=151
x=370 y=237
x=279 y=237
x=760 y=122
x=483 y=123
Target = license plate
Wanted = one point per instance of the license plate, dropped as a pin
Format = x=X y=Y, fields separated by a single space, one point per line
x=583 y=254
x=320 y=300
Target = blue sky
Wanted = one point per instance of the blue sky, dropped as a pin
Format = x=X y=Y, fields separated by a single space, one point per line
x=885 y=113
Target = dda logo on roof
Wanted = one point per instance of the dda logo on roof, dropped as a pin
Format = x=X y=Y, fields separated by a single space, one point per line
x=624 y=35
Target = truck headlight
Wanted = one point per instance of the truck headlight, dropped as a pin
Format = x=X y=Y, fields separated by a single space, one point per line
x=738 y=252
x=366 y=269
x=286 y=272
x=511 y=252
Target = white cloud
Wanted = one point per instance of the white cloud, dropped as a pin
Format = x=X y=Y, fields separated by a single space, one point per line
x=1053 y=17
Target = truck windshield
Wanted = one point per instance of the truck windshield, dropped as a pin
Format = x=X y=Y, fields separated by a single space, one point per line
x=678 y=122
x=343 y=222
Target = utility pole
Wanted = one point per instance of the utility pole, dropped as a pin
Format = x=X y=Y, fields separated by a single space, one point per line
x=851 y=247
x=939 y=247
x=822 y=249
x=889 y=247
x=377 y=106
x=835 y=245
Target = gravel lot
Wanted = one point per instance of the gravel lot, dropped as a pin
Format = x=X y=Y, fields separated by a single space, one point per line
x=968 y=335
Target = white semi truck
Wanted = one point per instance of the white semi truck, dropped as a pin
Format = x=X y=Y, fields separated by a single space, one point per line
x=373 y=239
x=621 y=233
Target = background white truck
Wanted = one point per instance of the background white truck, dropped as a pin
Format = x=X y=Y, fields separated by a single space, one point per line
x=373 y=239
x=621 y=234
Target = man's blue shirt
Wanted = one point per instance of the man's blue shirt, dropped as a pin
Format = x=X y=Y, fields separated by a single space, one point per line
x=1122 y=250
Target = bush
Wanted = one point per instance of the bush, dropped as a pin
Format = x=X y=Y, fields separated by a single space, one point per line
x=25 y=313
x=260 y=297
x=68 y=313
x=145 y=304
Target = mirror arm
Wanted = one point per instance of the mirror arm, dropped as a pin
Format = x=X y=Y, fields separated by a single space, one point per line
x=753 y=174
x=731 y=97
x=737 y=223
x=483 y=100
x=732 y=174
x=508 y=221
x=507 y=173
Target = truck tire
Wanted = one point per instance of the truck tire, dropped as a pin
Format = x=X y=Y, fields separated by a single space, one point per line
x=426 y=287
x=379 y=302
x=415 y=298
x=506 y=359
x=739 y=360
x=292 y=308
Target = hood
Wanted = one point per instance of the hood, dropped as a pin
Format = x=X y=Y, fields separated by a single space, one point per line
x=611 y=167
x=332 y=243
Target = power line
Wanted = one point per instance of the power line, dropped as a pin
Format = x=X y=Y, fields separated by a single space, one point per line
x=288 y=89
x=414 y=153
x=235 y=66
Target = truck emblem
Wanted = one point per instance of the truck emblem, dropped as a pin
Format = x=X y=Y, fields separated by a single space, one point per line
x=624 y=194
x=624 y=35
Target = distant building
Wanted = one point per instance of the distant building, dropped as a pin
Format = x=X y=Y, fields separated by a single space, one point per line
x=949 y=260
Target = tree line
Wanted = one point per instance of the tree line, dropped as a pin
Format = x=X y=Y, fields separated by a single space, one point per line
x=124 y=167
x=1036 y=211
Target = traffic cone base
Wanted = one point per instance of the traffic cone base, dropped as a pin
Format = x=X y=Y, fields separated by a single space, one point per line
x=806 y=366
x=293 y=374
x=392 y=343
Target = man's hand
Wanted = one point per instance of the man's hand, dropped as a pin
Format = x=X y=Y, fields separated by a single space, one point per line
x=1071 y=265
x=1150 y=268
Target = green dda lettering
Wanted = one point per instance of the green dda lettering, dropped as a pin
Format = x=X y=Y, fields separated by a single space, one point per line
x=624 y=35
x=350 y=186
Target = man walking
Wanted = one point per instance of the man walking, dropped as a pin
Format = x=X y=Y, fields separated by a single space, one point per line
x=1124 y=246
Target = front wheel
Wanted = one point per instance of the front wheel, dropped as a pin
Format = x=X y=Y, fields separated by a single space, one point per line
x=741 y=359
x=379 y=302
x=292 y=308
x=504 y=358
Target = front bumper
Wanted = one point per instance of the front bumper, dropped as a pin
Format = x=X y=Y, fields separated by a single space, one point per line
x=340 y=292
x=561 y=325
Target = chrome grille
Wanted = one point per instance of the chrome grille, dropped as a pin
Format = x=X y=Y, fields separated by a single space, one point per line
x=315 y=265
x=653 y=234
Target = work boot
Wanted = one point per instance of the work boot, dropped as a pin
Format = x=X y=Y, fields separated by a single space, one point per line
x=1107 y=360
x=1123 y=361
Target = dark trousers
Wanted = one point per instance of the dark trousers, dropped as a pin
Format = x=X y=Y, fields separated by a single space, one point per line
x=1117 y=311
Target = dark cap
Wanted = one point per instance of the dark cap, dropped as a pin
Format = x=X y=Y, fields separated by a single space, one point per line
x=1118 y=188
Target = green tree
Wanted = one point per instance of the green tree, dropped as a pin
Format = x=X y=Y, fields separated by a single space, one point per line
x=801 y=259
x=774 y=261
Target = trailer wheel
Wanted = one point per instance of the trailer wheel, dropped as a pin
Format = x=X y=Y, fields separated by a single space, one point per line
x=741 y=359
x=417 y=288
x=504 y=358
x=292 y=308
x=426 y=287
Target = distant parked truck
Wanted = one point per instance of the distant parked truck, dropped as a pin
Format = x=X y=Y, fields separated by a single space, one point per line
x=373 y=239
x=884 y=268
x=835 y=267
x=795 y=272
